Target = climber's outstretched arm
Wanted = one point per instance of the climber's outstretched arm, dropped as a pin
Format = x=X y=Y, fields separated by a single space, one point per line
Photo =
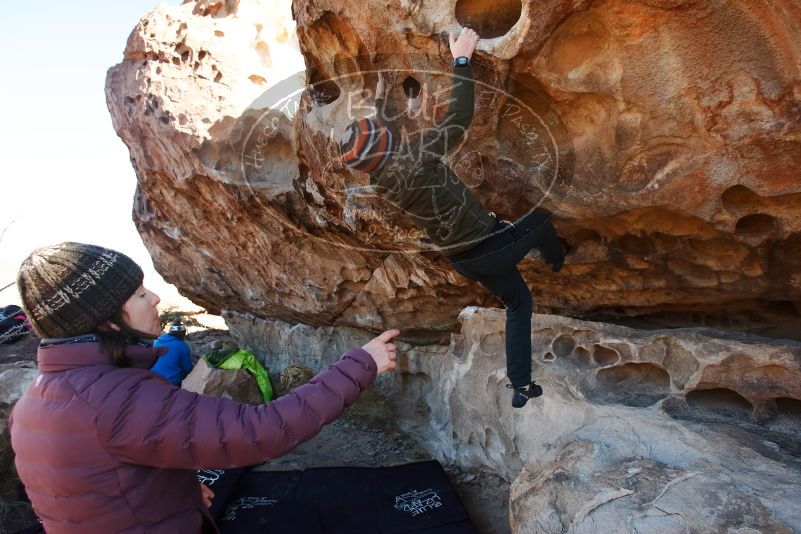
x=447 y=133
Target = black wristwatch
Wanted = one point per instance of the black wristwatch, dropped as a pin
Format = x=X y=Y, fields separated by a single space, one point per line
x=461 y=61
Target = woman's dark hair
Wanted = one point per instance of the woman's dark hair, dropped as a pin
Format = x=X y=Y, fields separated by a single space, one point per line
x=114 y=342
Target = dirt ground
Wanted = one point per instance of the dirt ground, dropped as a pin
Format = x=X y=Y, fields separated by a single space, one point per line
x=366 y=435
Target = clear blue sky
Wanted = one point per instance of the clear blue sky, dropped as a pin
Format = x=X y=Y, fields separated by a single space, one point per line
x=65 y=174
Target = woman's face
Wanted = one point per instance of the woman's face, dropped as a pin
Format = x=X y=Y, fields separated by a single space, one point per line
x=139 y=312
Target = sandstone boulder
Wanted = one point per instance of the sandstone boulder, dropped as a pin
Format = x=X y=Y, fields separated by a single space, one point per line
x=14 y=380
x=603 y=483
x=663 y=135
x=236 y=385
x=685 y=430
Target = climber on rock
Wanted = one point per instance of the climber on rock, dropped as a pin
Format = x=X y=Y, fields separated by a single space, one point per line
x=480 y=247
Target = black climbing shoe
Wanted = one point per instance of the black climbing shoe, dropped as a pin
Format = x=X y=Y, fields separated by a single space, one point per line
x=521 y=395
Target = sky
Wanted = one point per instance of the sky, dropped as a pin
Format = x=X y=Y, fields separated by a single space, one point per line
x=65 y=174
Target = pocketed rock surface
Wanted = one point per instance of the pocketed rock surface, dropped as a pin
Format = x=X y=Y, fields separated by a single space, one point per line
x=664 y=136
x=684 y=430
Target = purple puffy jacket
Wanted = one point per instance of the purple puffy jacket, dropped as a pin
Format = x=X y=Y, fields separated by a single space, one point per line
x=105 y=449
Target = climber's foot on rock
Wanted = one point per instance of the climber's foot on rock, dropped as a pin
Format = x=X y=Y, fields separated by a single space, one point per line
x=521 y=394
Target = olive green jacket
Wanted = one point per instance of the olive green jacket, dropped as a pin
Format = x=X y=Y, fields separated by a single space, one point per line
x=416 y=180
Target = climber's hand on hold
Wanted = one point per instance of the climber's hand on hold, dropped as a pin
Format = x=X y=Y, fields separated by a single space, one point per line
x=465 y=44
x=382 y=351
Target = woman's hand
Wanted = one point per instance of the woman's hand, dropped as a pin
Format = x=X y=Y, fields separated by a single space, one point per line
x=465 y=44
x=207 y=494
x=382 y=351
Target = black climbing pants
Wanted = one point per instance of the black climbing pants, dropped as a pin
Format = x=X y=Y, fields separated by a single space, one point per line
x=493 y=263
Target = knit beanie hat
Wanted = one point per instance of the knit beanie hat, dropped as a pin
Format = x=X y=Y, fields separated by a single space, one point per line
x=366 y=145
x=70 y=288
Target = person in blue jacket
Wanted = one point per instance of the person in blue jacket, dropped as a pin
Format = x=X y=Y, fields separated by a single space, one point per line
x=176 y=363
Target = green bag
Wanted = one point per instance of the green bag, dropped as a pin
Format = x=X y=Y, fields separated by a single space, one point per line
x=242 y=359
